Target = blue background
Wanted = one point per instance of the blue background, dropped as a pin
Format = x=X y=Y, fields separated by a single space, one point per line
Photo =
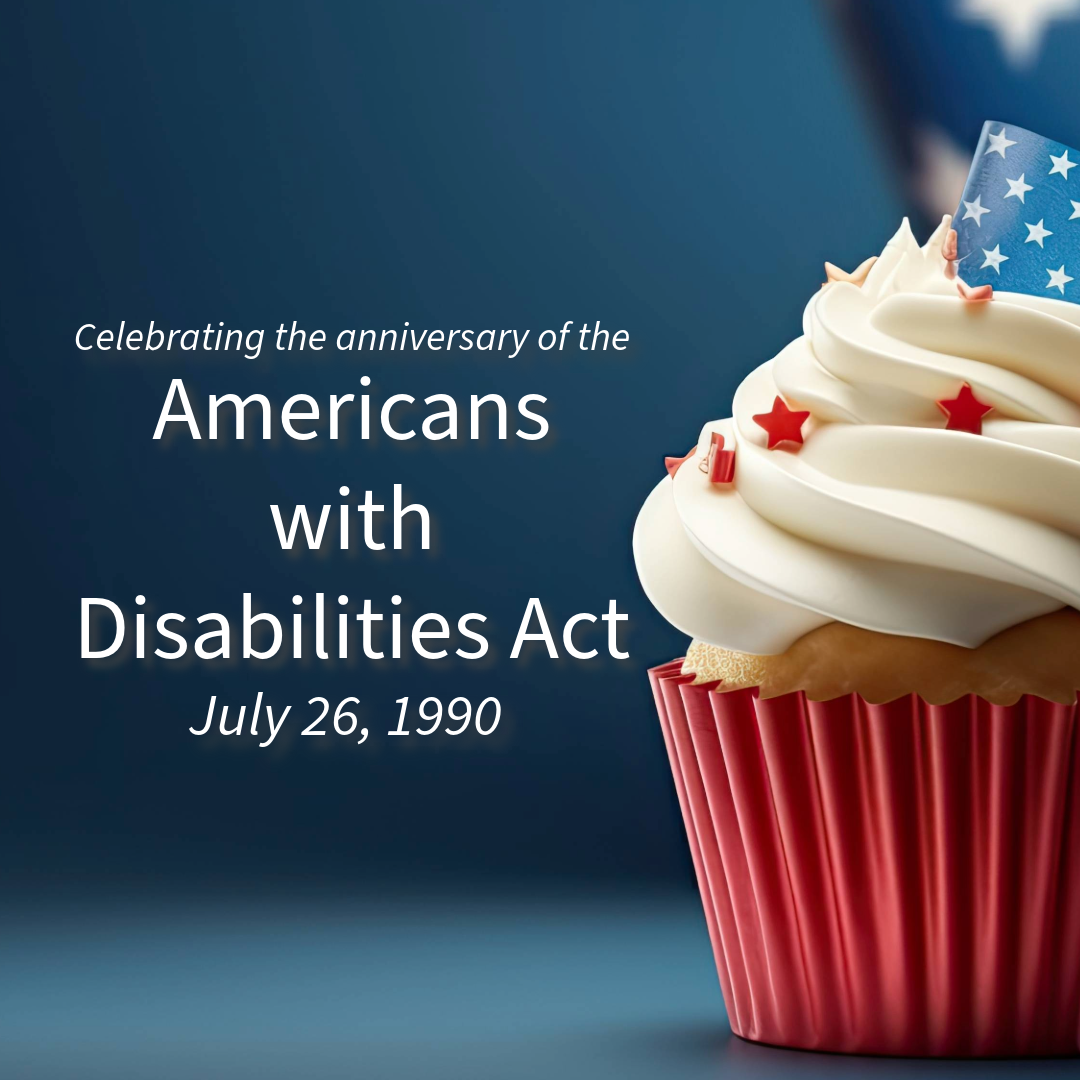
x=516 y=906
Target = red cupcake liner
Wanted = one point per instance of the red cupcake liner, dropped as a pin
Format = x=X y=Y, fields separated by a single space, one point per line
x=885 y=879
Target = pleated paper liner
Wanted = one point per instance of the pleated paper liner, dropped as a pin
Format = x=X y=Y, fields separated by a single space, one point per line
x=885 y=879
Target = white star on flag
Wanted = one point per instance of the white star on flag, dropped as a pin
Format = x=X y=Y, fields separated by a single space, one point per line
x=999 y=143
x=1058 y=278
x=975 y=210
x=994 y=258
x=1017 y=188
x=1062 y=165
x=1037 y=233
x=1076 y=209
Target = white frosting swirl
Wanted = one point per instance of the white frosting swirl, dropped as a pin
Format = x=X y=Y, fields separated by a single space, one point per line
x=883 y=519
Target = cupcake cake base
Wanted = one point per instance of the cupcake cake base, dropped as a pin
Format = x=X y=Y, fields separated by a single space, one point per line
x=899 y=878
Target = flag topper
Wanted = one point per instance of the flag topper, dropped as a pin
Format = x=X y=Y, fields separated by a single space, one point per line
x=1018 y=223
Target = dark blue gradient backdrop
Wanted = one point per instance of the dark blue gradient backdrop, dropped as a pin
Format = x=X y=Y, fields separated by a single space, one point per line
x=678 y=171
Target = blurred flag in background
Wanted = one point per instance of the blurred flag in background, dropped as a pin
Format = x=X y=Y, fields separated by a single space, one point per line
x=936 y=69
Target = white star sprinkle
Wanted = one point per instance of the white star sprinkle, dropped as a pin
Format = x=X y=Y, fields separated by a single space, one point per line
x=999 y=144
x=994 y=258
x=1058 y=278
x=1017 y=188
x=1019 y=24
x=1037 y=233
x=1076 y=209
x=1062 y=165
x=975 y=210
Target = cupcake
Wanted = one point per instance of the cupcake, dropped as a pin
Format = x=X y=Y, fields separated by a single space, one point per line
x=877 y=560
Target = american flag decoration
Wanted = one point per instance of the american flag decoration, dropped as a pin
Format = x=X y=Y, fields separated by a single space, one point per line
x=1018 y=222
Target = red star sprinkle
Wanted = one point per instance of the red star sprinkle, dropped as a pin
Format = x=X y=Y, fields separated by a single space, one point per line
x=782 y=424
x=718 y=464
x=965 y=411
x=672 y=463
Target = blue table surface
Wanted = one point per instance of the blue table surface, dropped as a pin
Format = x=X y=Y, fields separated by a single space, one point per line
x=319 y=984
